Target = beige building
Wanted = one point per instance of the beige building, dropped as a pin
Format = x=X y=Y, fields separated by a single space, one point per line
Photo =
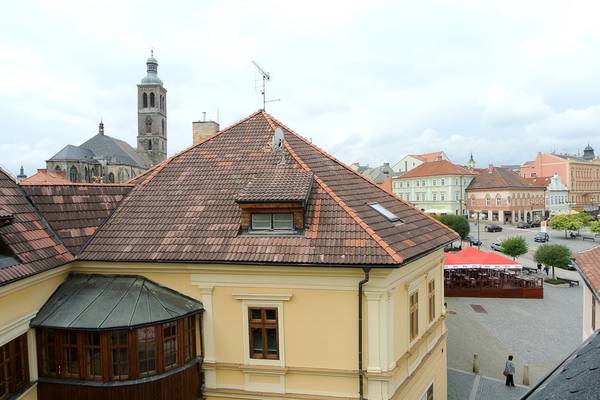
x=589 y=267
x=498 y=194
x=272 y=245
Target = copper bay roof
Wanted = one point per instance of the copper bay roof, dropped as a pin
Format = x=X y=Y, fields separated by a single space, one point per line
x=184 y=209
x=27 y=237
x=75 y=210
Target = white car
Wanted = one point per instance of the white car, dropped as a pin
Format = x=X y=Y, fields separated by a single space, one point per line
x=496 y=246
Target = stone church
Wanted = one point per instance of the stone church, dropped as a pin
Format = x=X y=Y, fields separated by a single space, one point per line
x=105 y=159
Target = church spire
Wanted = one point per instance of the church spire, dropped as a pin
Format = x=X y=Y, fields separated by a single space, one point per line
x=151 y=77
x=101 y=127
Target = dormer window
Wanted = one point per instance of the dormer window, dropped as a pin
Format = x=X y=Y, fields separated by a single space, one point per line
x=274 y=201
x=272 y=222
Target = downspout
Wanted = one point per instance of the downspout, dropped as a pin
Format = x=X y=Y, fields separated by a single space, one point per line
x=360 y=339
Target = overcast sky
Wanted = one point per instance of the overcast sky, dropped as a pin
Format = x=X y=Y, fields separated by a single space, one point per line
x=368 y=81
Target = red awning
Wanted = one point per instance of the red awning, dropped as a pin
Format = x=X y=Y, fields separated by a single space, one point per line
x=472 y=257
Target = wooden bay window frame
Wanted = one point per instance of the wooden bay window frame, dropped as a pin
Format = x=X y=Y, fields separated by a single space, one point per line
x=431 y=298
x=262 y=325
x=14 y=367
x=413 y=299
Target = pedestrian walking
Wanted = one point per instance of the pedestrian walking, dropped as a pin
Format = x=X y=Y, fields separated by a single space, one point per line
x=539 y=267
x=509 y=372
x=546 y=270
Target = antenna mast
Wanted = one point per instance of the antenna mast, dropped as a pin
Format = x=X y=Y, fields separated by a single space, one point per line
x=265 y=77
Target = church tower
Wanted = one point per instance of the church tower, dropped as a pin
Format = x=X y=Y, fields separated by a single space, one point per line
x=152 y=114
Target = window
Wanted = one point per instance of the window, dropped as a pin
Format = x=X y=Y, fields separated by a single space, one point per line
x=272 y=222
x=264 y=339
x=111 y=178
x=170 y=344
x=149 y=144
x=151 y=99
x=488 y=201
x=145 y=100
x=189 y=338
x=93 y=360
x=434 y=196
x=417 y=183
x=146 y=347
x=73 y=175
x=431 y=293
x=443 y=182
x=435 y=182
x=414 y=315
x=120 y=361
x=390 y=216
x=162 y=123
x=428 y=395
x=70 y=355
x=455 y=195
x=423 y=183
x=14 y=367
x=498 y=201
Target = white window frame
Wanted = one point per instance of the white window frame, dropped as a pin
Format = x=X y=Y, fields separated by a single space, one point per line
x=256 y=300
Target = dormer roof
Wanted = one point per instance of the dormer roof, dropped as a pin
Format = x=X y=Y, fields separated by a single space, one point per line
x=280 y=183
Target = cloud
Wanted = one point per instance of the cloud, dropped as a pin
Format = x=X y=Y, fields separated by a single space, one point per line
x=503 y=108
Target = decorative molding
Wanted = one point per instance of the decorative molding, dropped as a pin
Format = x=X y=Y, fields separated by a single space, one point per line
x=415 y=283
x=262 y=296
x=374 y=295
x=32 y=280
x=15 y=328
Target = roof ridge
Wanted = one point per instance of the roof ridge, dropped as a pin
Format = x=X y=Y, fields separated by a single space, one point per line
x=123 y=184
x=326 y=154
x=160 y=166
x=382 y=243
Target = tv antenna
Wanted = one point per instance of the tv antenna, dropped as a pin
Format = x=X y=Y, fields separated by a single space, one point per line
x=265 y=77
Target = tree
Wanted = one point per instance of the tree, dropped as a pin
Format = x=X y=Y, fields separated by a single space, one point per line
x=514 y=246
x=566 y=222
x=457 y=223
x=584 y=218
x=595 y=226
x=554 y=255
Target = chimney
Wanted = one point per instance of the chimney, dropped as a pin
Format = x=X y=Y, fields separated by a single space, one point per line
x=490 y=168
x=203 y=129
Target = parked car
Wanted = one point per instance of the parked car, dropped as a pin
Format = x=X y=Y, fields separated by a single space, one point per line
x=541 y=237
x=523 y=225
x=492 y=228
x=472 y=241
x=571 y=266
x=496 y=246
x=536 y=224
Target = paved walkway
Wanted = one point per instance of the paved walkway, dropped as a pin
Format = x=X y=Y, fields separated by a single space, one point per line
x=467 y=386
x=540 y=333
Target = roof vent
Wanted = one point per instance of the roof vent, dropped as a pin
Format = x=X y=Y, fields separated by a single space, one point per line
x=390 y=216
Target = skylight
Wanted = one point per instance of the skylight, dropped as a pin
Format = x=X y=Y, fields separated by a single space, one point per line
x=390 y=216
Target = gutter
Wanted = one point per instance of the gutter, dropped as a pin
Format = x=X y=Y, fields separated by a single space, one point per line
x=360 y=338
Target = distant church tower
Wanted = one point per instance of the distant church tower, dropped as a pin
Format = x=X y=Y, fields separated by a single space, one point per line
x=152 y=114
x=471 y=162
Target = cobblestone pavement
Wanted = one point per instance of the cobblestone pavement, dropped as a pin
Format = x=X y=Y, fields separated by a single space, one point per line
x=540 y=333
x=467 y=386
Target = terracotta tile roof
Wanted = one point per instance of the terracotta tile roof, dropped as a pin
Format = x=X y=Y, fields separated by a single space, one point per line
x=282 y=183
x=429 y=157
x=589 y=264
x=184 y=209
x=29 y=238
x=74 y=211
x=45 y=177
x=540 y=181
x=436 y=168
x=496 y=177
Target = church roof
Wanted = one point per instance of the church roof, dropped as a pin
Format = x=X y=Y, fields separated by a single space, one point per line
x=184 y=209
x=72 y=153
x=115 y=151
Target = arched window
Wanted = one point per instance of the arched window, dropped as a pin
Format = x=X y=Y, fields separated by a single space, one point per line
x=163 y=126
x=57 y=168
x=149 y=144
x=151 y=99
x=145 y=100
x=87 y=174
x=111 y=178
x=73 y=175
